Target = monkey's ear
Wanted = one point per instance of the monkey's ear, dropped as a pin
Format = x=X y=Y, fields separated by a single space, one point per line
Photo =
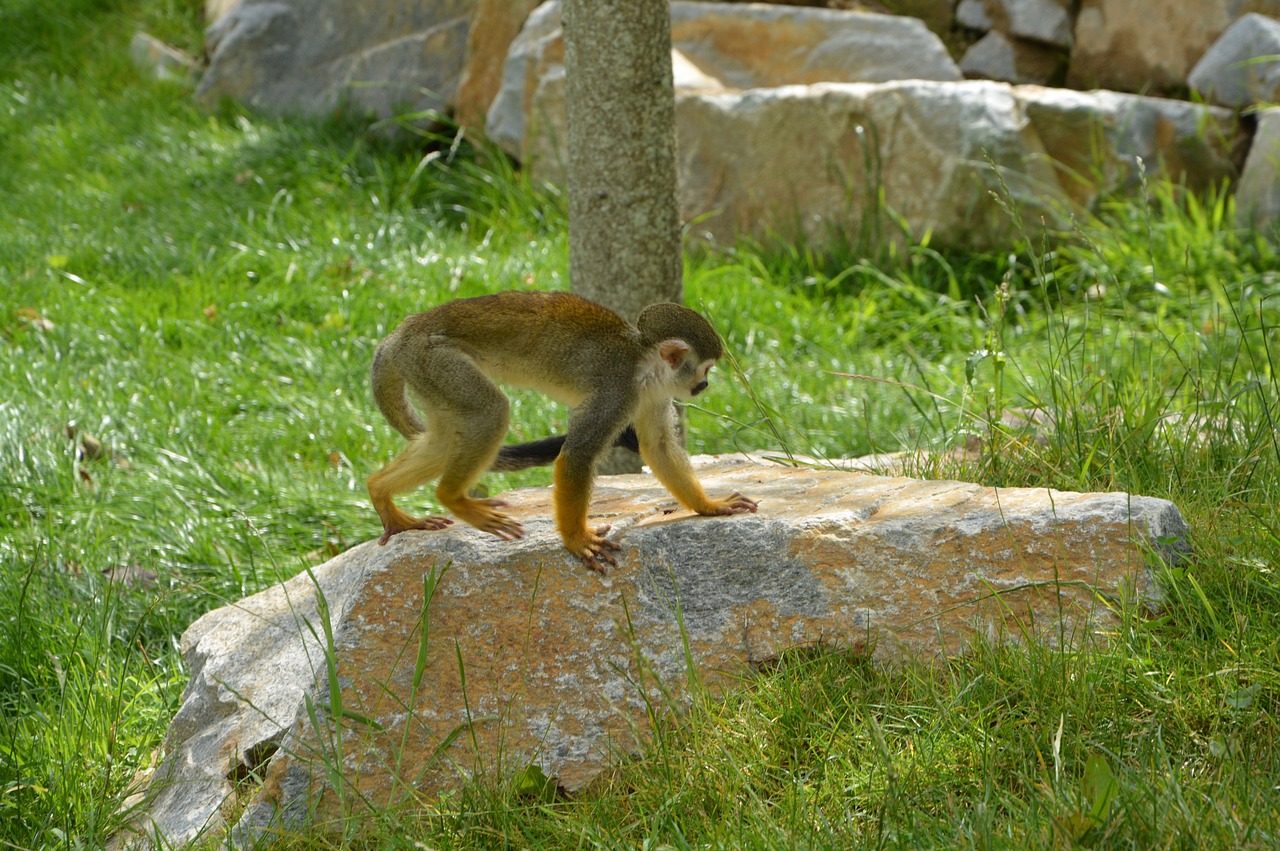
x=673 y=352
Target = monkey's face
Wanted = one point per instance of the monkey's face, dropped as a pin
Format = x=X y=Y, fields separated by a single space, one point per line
x=697 y=381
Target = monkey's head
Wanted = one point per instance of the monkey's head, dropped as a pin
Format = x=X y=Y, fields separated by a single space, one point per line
x=685 y=343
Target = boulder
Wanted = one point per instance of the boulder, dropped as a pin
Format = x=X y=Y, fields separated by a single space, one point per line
x=1243 y=66
x=1135 y=45
x=1045 y=21
x=757 y=45
x=395 y=671
x=311 y=57
x=841 y=161
x=152 y=56
x=1258 y=193
x=717 y=46
x=997 y=56
x=1094 y=140
x=494 y=26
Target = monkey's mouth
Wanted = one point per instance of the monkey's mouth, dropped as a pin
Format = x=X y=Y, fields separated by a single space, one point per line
x=698 y=388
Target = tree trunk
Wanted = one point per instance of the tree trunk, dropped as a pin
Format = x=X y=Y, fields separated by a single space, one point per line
x=624 y=222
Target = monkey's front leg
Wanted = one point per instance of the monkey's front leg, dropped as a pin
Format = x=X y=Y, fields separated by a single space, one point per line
x=572 y=493
x=595 y=550
x=734 y=503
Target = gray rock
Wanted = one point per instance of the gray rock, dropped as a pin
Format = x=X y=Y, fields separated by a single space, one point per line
x=529 y=659
x=1243 y=66
x=1046 y=21
x=159 y=59
x=1150 y=45
x=814 y=162
x=310 y=57
x=996 y=56
x=734 y=46
x=1258 y=193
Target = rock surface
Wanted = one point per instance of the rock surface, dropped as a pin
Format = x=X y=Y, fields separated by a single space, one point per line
x=1046 y=21
x=997 y=56
x=1258 y=195
x=1242 y=67
x=815 y=161
x=1140 y=45
x=525 y=658
x=716 y=47
x=310 y=57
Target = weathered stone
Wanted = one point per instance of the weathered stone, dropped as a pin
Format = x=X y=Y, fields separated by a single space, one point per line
x=562 y=667
x=153 y=56
x=214 y=9
x=1243 y=66
x=311 y=57
x=1095 y=139
x=996 y=56
x=816 y=161
x=1258 y=193
x=759 y=45
x=740 y=46
x=1133 y=45
x=1047 y=21
x=973 y=14
x=494 y=26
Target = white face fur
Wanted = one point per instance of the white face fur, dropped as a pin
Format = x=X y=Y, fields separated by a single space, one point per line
x=673 y=369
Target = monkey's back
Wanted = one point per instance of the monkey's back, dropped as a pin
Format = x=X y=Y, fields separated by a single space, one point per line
x=555 y=342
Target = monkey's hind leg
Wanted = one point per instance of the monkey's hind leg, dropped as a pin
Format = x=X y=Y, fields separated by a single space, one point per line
x=422 y=461
x=484 y=410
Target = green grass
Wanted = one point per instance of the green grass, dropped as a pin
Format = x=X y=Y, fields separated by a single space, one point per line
x=201 y=293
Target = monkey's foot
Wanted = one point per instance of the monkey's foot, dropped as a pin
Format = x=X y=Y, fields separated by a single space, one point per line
x=483 y=514
x=734 y=503
x=405 y=523
x=594 y=549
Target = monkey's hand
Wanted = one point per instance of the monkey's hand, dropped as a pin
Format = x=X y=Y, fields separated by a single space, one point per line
x=404 y=523
x=593 y=548
x=484 y=515
x=734 y=503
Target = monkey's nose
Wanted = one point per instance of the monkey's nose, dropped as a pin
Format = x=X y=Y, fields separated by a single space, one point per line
x=698 y=388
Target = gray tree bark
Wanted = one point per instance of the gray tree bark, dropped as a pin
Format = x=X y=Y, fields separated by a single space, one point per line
x=624 y=220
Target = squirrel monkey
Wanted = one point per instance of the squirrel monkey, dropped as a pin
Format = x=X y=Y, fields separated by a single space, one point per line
x=613 y=374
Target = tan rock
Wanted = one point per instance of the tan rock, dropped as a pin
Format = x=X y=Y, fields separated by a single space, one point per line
x=814 y=162
x=525 y=658
x=1140 y=45
x=494 y=25
x=1094 y=140
x=759 y=45
x=729 y=46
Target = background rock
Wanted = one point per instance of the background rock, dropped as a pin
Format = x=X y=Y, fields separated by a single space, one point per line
x=563 y=667
x=1258 y=195
x=996 y=56
x=311 y=56
x=494 y=25
x=736 y=46
x=1136 y=45
x=813 y=162
x=1243 y=66
x=1045 y=21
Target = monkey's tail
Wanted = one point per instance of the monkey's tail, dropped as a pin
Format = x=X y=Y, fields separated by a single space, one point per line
x=389 y=394
x=539 y=453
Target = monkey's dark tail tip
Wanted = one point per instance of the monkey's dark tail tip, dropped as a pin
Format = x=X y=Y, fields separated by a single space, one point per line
x=540 y=453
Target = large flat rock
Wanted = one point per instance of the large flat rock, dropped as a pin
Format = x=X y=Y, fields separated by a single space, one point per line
x=456 y=655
